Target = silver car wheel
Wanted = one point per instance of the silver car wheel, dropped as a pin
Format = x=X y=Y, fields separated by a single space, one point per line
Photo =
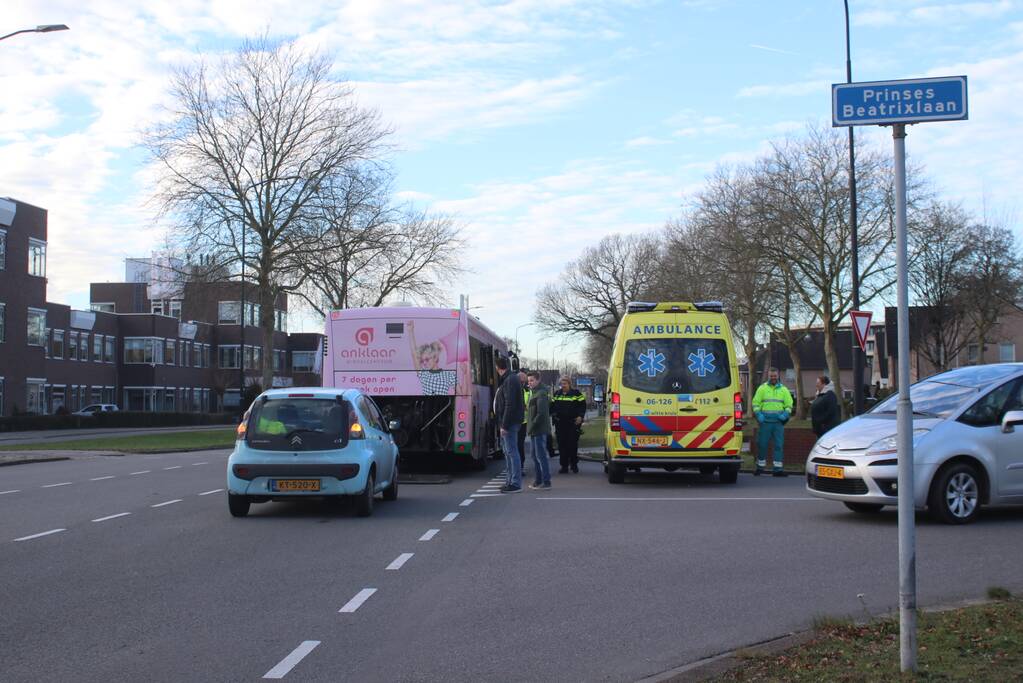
x=961 y=495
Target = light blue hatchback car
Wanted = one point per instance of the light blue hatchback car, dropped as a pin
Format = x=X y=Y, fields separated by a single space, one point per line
x=312 y=443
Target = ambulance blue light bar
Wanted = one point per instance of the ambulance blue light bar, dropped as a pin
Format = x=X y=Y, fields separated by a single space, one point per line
x=640 y=306
x=715 y=306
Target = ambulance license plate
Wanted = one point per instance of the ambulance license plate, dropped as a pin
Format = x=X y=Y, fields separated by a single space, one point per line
x=294 y=484
x=651 y=441
x=830 y=472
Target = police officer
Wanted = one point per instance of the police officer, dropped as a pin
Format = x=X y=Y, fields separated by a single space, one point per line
x=772 y=404
x=568 y=408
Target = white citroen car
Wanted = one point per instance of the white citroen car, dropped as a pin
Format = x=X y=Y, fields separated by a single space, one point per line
x=967 y=447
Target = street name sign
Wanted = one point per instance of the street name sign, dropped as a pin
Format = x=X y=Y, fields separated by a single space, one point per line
x=912 y=100
x=861 y=326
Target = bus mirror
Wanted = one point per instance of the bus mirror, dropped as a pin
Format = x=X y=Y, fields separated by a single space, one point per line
x=394 y=425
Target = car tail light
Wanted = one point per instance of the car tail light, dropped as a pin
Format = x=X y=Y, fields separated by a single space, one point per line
x=241 y=471
x=243 y=426
x=356 y=431
x=616 y=412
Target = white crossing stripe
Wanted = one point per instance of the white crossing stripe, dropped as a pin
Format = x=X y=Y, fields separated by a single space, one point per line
x=465 y=503
x=101 y=478
x=206 y=493
x=356 y=602
x=176 y=467
x=429 y=534
x=50 y=486
x=400 y=561
x=142 y=472
x=11 y=491
x=166 y=502
x=199 y=463
x=450 y=517
x=120 y=514
x=45 y=533
x=289 y=662
x=484 y=495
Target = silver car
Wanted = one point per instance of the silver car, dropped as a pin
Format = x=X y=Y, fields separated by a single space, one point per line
x=967 y=447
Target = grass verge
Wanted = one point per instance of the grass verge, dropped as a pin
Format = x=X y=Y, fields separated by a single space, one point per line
x=165 y=441
x=976 y=643
x=593 y=433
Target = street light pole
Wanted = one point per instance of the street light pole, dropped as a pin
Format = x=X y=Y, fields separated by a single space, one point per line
x=44 y=28
x=854 y=236
x=517 y=333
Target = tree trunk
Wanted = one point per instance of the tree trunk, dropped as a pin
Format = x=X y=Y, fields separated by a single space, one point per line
x=797 y=367
x=266 y=327
x=751 y=367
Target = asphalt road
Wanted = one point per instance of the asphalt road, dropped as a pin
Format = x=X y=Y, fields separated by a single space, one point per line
x=586 y=582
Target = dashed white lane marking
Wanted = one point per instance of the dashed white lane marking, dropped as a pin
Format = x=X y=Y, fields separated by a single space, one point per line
x=206 y=493
x=708 y=498
x=356 y=602
x=199 y=463
x=400 y=561
x=465 y=503
x=120 y=514
x=45 y=533
x=176 y=467
x=166 y=502
x=429 y=534
x=450 y=517
x=142 y=472
x=490 y=487
x=485 y=495
x=101 y=478
x=289 y=662
x=11 y=491
x=50 y=486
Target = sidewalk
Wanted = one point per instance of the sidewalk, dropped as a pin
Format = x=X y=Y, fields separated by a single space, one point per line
x=26 y=457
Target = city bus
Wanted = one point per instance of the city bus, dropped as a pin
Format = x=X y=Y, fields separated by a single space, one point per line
x=431 y=369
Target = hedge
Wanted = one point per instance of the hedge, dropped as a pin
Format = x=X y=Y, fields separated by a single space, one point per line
x=122 y=418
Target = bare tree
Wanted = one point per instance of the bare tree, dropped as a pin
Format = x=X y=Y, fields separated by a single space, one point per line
x=942 y=251
x=993 y=284
x=591 y=294
x=257 y=143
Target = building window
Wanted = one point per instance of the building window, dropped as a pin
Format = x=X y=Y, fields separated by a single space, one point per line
x=196 y=401
x=973 y=354
x=96 y=395
x=36 y=327
x=108 y=349
x=174 y=309
x=3 y=322
x=281 y=320
x=57 y=345
x=143 y=350
x=36 y=258
x=103 y=307
x=168 y=401
x=83 y=347
x=72 y=346
x=252 y=314
x=206 y=355
x=168 y=351
x=1007 y=352
x=34 y=395
x=302 y=361
x=196 y=355
x=156 y=307
x=142 y=399
x=3 y=254
x=97 y=348
x=109 y=394
x=253 y=357
x=228 y=313
x=280 y=359
x=228 y=357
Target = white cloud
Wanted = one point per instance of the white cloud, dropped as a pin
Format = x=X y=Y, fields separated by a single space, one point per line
x=646 y=141
x=796 y=89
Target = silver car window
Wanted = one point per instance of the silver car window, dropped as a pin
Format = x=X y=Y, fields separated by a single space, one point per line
x=989 y=410
x=930 y=398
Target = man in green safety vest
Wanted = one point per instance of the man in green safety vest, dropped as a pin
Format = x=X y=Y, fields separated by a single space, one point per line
x=772 y=405
x=522 y=431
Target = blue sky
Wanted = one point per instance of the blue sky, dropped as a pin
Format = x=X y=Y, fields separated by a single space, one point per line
x=541 y=125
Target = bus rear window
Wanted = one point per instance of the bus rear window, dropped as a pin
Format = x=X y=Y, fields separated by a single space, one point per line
x=676 y=365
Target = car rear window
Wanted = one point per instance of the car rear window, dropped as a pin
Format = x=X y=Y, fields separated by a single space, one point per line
x=298 y=424
x=676 y=365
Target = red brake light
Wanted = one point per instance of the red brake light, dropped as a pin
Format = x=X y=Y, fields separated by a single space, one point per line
x=461 y=415
x=616 y=412
x=738 y=410
x=301 y=395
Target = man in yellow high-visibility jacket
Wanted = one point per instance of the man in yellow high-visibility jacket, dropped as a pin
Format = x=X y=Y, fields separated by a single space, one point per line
x=772 y=405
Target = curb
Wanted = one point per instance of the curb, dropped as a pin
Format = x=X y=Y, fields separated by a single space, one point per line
x=28 y=461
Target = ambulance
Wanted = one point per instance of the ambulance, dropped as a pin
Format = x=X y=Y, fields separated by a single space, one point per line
x=673 y=392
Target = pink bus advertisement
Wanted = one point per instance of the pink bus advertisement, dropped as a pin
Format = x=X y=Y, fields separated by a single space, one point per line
x=431 y=369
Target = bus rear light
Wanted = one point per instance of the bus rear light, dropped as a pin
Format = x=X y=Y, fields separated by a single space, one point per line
x=461 y=415
x=461 y=435
x=616 y=412
x=356 y=431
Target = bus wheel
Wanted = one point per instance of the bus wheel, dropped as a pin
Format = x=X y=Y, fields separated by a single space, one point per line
x=615 y=473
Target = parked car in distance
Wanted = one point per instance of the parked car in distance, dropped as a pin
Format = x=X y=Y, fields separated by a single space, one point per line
x=967 y=447
x=312 y=443
x=94 y=408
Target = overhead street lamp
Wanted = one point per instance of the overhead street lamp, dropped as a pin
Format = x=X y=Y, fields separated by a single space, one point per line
x=43 y=28
x=517 y=332
x=854 y=238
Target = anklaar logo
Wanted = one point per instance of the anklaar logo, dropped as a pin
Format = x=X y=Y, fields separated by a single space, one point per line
x=364 y=336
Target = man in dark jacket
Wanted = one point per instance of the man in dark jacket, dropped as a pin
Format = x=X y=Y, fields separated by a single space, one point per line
x=539 y=425
x=509 y=410
x=568 y=408
x=824 y=411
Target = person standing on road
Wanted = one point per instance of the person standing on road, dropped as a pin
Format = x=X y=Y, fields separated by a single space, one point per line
x=772 y=405
x=568 y=406
x=508 y=408
x=824 y=412
x=539 y=425
x=524 y=381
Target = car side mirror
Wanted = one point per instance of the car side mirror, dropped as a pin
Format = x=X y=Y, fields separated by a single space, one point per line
x=1011 y=419
x=395 y=425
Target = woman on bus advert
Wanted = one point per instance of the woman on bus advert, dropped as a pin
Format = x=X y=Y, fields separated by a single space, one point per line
x=426 y=359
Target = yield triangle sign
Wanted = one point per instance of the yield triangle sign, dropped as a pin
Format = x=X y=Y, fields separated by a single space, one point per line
x=861 y=325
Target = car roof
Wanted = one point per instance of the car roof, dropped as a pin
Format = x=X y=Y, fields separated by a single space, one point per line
x=978 y=375
x=312 y=392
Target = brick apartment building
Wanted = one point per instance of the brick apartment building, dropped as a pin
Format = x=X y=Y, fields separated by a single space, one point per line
x=144 y=345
